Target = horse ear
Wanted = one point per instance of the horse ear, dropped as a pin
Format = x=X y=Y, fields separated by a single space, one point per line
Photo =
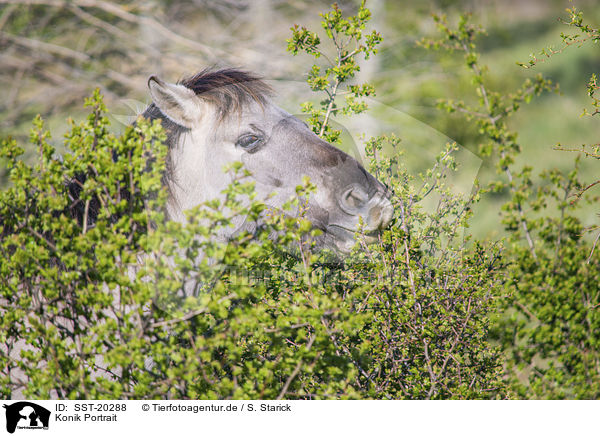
x=177 y=102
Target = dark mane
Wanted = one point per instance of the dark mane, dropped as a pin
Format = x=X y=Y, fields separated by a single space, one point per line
x=228 y=90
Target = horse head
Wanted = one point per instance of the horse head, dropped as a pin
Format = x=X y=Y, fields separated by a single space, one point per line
x=217 y=117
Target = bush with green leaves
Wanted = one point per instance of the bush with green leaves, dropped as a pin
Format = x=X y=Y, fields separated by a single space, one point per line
x=349 y=40
x=548 y=326
x=91 y=301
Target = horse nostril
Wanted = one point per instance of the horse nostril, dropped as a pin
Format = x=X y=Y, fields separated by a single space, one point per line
x=353 y=199
x=381 y=215
x=375 y=216
x=376 y=210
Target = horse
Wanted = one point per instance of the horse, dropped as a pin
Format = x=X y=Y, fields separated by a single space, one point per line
x=217 y=117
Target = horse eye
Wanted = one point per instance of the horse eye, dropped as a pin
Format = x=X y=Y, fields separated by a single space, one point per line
x=248 y=142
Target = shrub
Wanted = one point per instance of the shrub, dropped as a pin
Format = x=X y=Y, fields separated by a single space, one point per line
x=548 y=325
x=90 y=287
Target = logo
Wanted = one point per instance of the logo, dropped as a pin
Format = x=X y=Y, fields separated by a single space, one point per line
x=26 y=415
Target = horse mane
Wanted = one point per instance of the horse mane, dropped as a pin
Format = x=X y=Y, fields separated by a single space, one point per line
x=228 y=90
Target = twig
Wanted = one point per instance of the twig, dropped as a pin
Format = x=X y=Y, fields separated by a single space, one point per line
x=509 y=175
x=593 y=248
x=41 y=237
x=527 y=311
x=582 y=191
x=187 y=316
x=296 y=370
x=330 y=106
x=6 y=15
x=45 y=46
x=430 y=370
x=85 y=216
x=97 y=22
x=120 y=12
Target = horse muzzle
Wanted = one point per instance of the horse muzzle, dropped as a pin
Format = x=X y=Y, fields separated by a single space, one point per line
x=374 y=211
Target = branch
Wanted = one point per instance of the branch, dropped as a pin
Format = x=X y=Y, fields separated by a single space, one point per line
x=121 y=13
x=429 y=370
x=593 y=248
x=330 y=106
x=97 y=22
x=296 y=370
x=509 y=175
x=6 y=14
x=189 y=315
x=45 y=46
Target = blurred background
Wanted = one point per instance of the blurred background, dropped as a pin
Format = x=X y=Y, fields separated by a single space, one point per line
x=53 y=53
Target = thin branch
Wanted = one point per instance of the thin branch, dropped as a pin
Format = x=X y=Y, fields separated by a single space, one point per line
x=330 y=105
x=296 y=370
x=582 y=191
x=45 y=46
x=97 y=22
x=188 y=315
x=593 y=248
x=509 y=175
x=41 y=237
x=430 y=370
x=6 y=14
x=85 y=216
x=120 y=12
x=527 y=311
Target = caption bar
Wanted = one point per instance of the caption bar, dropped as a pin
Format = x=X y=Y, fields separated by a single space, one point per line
x=159 y=417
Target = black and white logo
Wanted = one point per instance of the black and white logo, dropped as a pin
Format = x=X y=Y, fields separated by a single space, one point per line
x=26 y=415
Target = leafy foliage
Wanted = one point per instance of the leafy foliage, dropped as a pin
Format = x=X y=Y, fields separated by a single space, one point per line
x=548 y=326
x=349 y=40
x=94 y=289
x=432 y=312
x=588 y=34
